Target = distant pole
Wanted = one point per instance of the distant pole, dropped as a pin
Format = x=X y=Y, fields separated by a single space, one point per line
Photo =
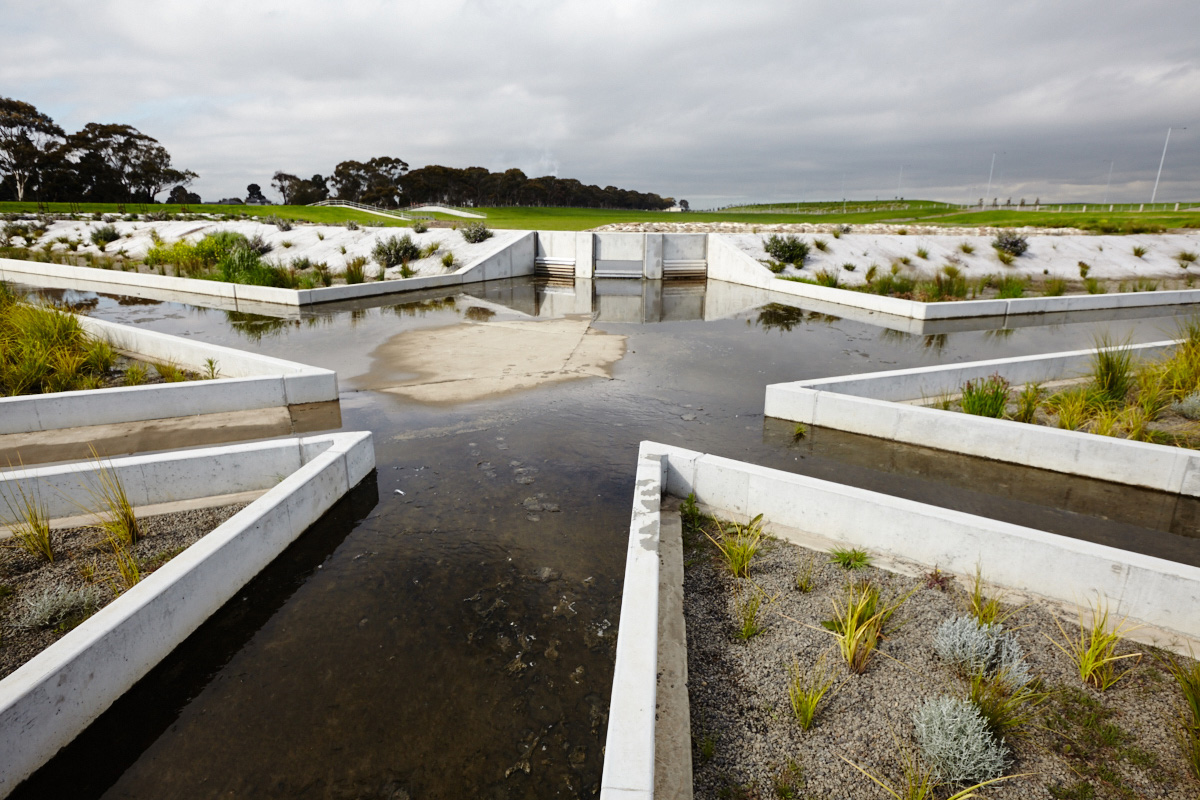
x=990 y=171
x=1110 y=168
x=900 y=183
x=1160 y=165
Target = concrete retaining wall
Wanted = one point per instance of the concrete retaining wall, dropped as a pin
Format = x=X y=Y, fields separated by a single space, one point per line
x=812 y=512
x=248 y=381
x=508 y=260
x=50 y=699
x=728 y=262
x=874 y=405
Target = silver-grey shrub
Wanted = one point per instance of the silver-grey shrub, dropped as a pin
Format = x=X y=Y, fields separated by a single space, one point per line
x=1189 y=406
x=54 y=605
x=475 y=232
x=955 y=742
x=976 y=649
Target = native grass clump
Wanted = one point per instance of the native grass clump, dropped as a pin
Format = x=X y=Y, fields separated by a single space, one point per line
x=1143 y=399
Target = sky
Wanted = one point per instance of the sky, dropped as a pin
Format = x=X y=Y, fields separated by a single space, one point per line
x=719 y=103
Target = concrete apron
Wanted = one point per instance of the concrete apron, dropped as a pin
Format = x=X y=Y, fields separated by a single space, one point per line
x=170 y=433
x=672 y=729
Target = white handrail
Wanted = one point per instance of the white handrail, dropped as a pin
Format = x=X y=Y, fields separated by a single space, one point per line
x=362 y=207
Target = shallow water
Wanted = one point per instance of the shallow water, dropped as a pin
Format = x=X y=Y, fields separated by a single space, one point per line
x=446 y=632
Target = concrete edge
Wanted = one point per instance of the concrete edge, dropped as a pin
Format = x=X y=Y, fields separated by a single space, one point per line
x=874 y=405
x=47 y=701
x=251 y=381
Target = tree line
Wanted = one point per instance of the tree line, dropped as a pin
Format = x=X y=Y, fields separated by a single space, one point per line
x=387 y=182
x=113 y=163
x=100 y=163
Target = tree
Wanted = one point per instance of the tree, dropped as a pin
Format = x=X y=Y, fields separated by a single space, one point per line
x=26 y=137
x=181 y=196
x=377 y=182
x=684 y=205
x=119 y=162
x=299 y=192
x=151 y=172
x=254 y=194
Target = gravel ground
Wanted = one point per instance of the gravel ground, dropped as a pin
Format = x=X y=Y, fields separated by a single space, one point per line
x=22 y=575
x=744 y=736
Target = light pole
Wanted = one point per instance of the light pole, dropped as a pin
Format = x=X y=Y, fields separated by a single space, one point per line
x=990 y=171
x=1107 y=185
x=900 y=183
x=1160 y=165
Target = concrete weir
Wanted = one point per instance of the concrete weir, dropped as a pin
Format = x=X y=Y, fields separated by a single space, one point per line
x=647 y=748
x=50 y=699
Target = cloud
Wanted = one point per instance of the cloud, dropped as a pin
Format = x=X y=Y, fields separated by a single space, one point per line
x=716 y=102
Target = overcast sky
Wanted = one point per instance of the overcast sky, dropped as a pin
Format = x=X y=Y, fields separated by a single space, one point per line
x=716 y=102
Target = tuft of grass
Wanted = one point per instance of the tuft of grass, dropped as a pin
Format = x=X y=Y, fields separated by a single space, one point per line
x=799 y=432
x=1187 y=675
x=1006 y=258
x=355 y=270
x=1028 y=401
x=1055 y=287
x=448 y=260
x=1094 y=651
x=747 y=607
x=849 y=266
x=967 y=247
x=1010 y=286
x=738 y=544
x=135 y=375
x=31 y=532
x=987 y=610
x=170 y=373
x=986 y=397
x=1186 y=258
x=821 y=245
x=1008 y=708
x=127 y=571
x=109 y=494
x=849 y=558
x=103 y=236
x=1094 y=286
x=1112 y=370
x=922 y=252
x=827 y=278
x=1084 y=269
x=1139 y=251
x=859 y=616
x=1074 y=407
x=805 y=567
x=807 y=689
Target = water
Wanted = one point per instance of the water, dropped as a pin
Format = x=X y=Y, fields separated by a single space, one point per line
x=456 y=640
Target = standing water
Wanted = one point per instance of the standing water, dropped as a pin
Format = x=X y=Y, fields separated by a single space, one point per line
x=448 y=629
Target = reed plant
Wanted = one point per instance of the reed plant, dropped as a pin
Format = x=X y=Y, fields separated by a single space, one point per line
x=986 y=609
x=31 y=531
x=1094 y=650
x=747 y=606
x=738 y=544
x=1112 y=370
x=805 y=569
x=1007 y=707
x=108 y=493
x=1028 y=401
x=806 y=689
x=127 y=572
x=986 y=397
x=859 y=616
x=917 y=780
x=355 y=270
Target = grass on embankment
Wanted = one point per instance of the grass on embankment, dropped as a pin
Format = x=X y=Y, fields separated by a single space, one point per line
x=46 y=350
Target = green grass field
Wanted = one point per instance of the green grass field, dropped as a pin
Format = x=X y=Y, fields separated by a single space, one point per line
x=578 y=219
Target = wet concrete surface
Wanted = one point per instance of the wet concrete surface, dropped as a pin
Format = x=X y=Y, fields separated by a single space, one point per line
x=449 y=631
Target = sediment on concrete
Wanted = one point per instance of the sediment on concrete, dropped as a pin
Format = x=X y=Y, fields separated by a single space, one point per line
x=883 y=405
x=50 y=699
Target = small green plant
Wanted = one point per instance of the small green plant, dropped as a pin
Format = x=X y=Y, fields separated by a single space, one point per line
x=849 y=558
x=59 y=606
x=1187 y=675
x=738 y=544
x=170 y=373
x=1055 y=287
x=285 y=244
x=1006 y=258
x=807 y=689
x=788 y=782
x=135 y=375
x=1112 y=370
x=1094 y=286
x=31 y=532
x=918 y=781
x=859 y=615
x=922 y=253
x=104 y=235
x=448 y=260
x=905 y=260
x=987 y=610
x=1094 y=650
x=420 y=226
x=430 y=249
x=320 y=236
x=786 y=249
x=1139 y=251
x=108 y=492
x=355 y=271
x=689 y=514
x=967 y=247
x=1084 y=269
x=127 y=571
x=805 y=568
x=849 y=267
x=1028 y=401
x=821 y=245
x=747 y=606
x=395 y=250
x=1010 y=287
x=827 y=278
x=1007 y=707
x=210 y=369
x=986 y=397
x=475 y=232
x=1186 y=258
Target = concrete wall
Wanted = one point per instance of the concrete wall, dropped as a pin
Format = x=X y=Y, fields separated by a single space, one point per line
x=1149 y=590
x=727 y=262
x=248 y=381
x=49 y=700
x=874 y=405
